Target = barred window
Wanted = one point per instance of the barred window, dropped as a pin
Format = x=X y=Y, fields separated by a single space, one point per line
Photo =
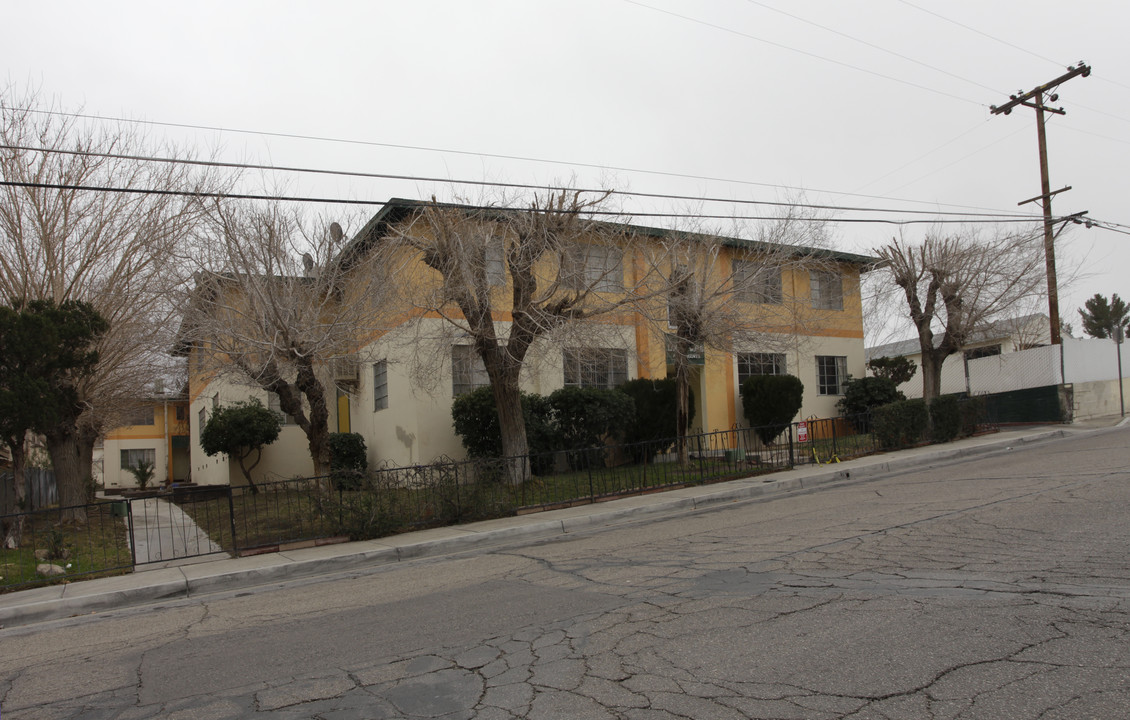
x=595 y=367
x=827 y=290
x=140 y=415
x=495 y=265
x=467 y=370
x=757 y=283
x=750 y=364
x=593 y=267
x=831 y=374
x=380 y=385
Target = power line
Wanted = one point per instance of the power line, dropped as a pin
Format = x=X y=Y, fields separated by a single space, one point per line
x=739 y=33
x=490 y=183
x=606 y=213
x=373 y=143
x=876 y=47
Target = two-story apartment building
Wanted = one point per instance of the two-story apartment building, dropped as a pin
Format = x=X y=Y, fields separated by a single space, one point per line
x=397 y=389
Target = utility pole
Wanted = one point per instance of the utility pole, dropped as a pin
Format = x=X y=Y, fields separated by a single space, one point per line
x=1035 y=99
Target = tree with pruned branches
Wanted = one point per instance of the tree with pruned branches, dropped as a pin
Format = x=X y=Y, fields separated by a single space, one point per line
x=280 y=303
x=953 y=284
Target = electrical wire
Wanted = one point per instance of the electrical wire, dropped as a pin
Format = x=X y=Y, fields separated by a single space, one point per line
x=373 y=143
x=822 y=58
x=490 y=183
x=604 y=213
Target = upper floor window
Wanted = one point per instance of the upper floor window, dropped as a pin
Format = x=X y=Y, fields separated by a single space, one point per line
x=983 y=351
x=595 y=367
x=140 y=415
x=750 y=364
x=593 y=267
x=380 y=385
x=467 y=370
x=827 y=290
x=831 y=374
x=495 y=265
x=757 y=283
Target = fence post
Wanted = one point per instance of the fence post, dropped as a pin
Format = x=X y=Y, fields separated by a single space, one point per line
x=792 y=455
x=231 y=517
x=132 y=539
x=835 y=450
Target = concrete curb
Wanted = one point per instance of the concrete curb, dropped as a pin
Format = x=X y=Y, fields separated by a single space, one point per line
x=186 y=581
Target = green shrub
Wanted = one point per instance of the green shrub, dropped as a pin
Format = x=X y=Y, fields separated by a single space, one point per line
x=945 y=418
x=476 y=423
x=588 y=417
x=863 y=395
x=972 y=414
x=899 y=424
x=897 y=369
x=655 y=419
x=771 y=402
x=348 y=459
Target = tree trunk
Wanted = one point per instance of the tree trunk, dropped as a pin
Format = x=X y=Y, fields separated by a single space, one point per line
x=512 y=427
x=931 y=375
x=16 y=500
x=85 y=441
x=682 y=408
x=247 y=470
x=318 y=430
x=63 y=446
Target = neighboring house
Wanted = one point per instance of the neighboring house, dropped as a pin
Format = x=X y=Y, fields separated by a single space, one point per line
x=156 y=431
x=1001 y=337
x=405 y=418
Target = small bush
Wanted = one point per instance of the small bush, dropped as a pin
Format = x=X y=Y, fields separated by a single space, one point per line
x=899 y=424
x=945 y=418
x=972 y=415
x=588 y=417
x=771 y=402
x=863 y=395
x=348 y=459
x=476 y=423
x=655 y=419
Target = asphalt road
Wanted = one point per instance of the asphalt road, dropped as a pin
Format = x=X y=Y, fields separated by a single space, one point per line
x=994 y=588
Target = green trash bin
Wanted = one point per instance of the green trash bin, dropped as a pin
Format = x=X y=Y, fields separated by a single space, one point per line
x=119 y=508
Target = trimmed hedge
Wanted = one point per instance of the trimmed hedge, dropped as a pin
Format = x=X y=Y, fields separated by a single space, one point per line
x=771 y=402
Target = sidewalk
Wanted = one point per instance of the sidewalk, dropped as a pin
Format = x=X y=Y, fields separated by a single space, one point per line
x=183 y=581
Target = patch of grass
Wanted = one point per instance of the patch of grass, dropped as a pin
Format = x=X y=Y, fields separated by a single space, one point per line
x=100 y=548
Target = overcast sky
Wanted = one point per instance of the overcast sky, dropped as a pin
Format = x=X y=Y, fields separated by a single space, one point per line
x=876 y=104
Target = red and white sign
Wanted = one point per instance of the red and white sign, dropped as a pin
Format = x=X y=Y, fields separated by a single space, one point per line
x=802 y=431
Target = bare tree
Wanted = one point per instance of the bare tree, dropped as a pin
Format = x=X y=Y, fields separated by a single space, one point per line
x=508 y=278
x=954 y=284
x=281 y=303
x=83 y=218
x=724 y=293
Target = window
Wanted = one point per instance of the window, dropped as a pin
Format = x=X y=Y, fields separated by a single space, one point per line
x=980 y=352
x=134 y=458
x=140 y=415
x=757 y=283
x=380 y=385
x=595 y=367
x=273 y=403
x=181 y=412
x=593 y=267
x=750 y=364
x=467 y=370
x=496 y=265
x=831 y=373
x=201 y=416
x=827 y=291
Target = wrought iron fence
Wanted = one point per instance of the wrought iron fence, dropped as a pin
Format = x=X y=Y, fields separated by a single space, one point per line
x=187 y=522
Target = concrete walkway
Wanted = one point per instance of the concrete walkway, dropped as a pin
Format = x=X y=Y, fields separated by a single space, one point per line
x=183 y=581
x=164 y=536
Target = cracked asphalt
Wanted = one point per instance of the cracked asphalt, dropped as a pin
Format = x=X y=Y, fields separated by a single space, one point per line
x=993 y=588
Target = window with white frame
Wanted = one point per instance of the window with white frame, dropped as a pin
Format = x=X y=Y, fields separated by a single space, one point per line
x=595 y=367
x=137 y=456
x=750 y=364
x=380 y=385
x=273 y=403
x=827 y=290
x=831 y=374
x=467 y=370
x=201 y=417
x=594 y=267
x=757 y=283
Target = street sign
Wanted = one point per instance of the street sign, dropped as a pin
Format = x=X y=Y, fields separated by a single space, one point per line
x=802 y=431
